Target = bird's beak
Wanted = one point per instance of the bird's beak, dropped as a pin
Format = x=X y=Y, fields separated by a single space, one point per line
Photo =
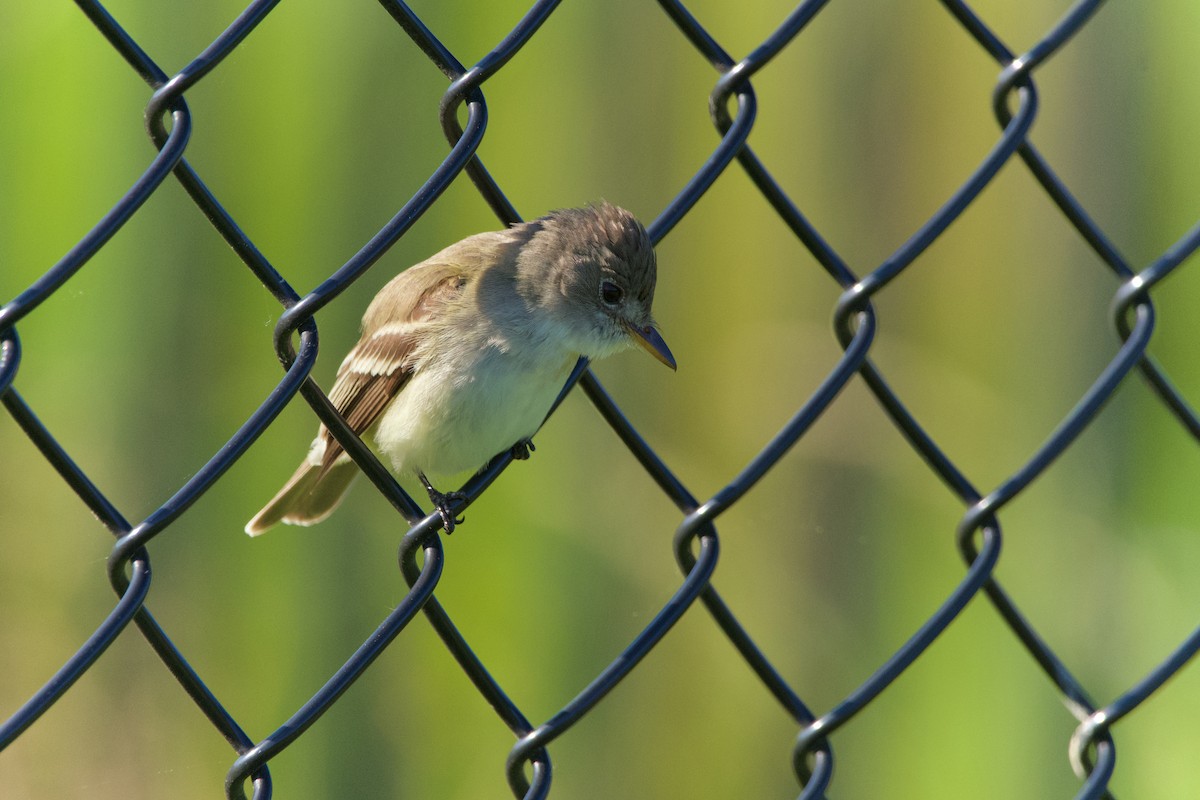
x=649 y=340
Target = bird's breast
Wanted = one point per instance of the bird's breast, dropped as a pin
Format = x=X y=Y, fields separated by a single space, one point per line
x=465 y=404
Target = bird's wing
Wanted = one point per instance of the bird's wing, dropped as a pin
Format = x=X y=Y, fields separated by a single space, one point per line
x=379 y=366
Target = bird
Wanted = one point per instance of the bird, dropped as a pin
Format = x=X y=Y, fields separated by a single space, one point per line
x=462 y=356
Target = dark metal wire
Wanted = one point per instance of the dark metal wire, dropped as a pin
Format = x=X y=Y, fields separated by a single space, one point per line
x=696 y=544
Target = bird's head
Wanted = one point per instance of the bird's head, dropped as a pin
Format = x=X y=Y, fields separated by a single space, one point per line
x=596 y=273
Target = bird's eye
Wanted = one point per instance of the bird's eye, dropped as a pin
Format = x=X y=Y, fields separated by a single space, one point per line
x=611 y=294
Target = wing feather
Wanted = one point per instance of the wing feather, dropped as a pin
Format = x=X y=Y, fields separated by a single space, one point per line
x=379 y=366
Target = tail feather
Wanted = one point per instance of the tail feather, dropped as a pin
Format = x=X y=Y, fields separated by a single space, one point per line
x=308 y=497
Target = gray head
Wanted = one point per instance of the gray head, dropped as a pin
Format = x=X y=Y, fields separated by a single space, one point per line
x=596 y=264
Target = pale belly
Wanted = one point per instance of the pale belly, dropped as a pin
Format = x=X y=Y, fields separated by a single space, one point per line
x=451 y=418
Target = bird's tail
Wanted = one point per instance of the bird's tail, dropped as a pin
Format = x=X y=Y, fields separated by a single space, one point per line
x=308 y=497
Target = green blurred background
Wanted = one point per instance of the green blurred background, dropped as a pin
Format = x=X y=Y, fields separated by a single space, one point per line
x=324 y=122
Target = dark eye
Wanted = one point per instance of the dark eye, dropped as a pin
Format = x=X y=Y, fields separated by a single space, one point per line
x=611 y=294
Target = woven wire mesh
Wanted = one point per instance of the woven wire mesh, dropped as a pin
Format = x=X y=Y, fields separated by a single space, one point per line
x=819 y=711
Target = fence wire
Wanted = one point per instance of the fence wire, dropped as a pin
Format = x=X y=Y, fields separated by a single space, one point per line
x=733 y=109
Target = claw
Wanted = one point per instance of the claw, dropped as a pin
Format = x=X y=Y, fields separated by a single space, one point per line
x=443 y=506
x=521 y=450
x=442 y=502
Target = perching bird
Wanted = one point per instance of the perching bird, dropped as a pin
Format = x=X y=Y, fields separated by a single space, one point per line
x=462 y=355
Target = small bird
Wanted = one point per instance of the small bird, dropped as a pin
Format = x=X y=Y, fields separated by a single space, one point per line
x=462 y=355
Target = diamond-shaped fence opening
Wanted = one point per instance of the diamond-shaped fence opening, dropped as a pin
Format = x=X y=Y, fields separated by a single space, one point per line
x=917 y=510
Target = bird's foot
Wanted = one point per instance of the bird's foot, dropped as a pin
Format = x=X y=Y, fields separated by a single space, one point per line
x=443 y=501
x=521 y=450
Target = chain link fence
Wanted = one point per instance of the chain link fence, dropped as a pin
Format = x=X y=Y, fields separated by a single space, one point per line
x=819 y=714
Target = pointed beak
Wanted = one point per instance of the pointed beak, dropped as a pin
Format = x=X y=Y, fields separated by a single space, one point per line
x=649 y=340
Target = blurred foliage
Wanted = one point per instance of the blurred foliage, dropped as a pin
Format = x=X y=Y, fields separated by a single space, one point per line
x=321 y=125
